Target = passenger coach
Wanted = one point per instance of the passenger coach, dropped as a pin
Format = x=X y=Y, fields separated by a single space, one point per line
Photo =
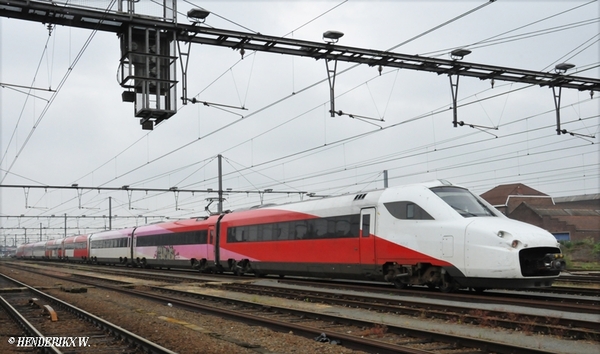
x=54 y=249
x=174 y=244
x=76 y=248
x=111 y=247
x=38 y=250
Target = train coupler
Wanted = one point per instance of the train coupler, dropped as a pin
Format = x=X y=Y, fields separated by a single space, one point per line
x=554 y=261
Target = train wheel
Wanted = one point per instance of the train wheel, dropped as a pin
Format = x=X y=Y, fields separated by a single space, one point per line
x=448 y=285
x=236 y=269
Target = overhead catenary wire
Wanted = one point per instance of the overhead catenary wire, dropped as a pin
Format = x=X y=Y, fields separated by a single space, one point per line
x=53 y=96
x=402 y=155
x=290 y=95
x=438 y=142
x=495 y=39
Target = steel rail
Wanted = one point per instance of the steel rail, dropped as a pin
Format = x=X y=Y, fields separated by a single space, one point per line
x=571 y=327
x=146 y=345
x=27 y=326
x=349 y=340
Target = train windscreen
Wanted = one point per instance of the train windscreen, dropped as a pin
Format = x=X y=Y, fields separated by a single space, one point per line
x=465 y=203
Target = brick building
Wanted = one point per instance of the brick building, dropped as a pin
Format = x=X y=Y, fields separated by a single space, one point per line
x=573 y=218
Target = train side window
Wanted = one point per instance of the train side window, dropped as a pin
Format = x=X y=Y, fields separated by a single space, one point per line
x=284 y=230
x=366 y=225
x=355 y=225
x=276 y=233
x=240 y=233
x=320 y=228
x=331 y=227
x=342 y=228
x=253 y=233
x=407 y=211
x=202 y=236
x=266 y=232
x=175 y=239
x=300 y=230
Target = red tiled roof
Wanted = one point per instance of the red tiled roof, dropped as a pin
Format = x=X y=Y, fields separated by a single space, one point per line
x=499 y=194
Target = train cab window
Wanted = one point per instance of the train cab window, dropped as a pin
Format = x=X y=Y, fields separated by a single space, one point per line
x=407 y=211
x=461 y=200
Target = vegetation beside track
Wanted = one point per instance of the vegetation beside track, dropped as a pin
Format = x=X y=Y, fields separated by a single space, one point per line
x=581 y=255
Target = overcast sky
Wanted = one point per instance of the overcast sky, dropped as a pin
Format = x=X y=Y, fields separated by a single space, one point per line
x=286 y=140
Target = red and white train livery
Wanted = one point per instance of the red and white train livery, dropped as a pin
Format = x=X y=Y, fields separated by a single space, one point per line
x=433 y=234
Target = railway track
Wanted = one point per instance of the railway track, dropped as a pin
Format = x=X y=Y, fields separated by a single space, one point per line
x=354 y=333
x=64 y=327
x=184 y=275
x=533 y=299
x=566 y=327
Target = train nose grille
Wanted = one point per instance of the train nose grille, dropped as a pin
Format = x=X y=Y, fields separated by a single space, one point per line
x=535 y=262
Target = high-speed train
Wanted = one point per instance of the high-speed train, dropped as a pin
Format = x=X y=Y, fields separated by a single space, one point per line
x=434 y=234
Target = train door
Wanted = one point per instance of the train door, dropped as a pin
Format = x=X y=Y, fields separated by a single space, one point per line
x=130 y=244
x=367 y=236
x=210 y=247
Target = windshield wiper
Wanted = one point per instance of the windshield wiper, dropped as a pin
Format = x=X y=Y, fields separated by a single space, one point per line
x=463 y=212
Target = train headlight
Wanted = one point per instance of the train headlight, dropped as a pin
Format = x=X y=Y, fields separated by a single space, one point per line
x=502 y=233
x=515 y=243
